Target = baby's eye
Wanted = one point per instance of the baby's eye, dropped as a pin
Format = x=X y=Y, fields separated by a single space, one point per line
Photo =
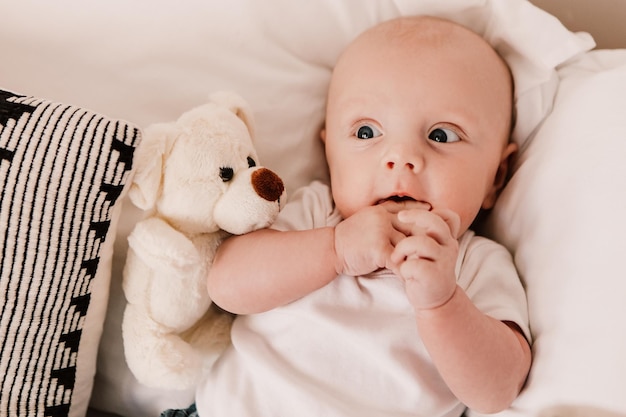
x=367 y=132
x=442 y=135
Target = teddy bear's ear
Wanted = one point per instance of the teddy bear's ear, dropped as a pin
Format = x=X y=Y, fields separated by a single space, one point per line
x=157 y=139
x=237 y=105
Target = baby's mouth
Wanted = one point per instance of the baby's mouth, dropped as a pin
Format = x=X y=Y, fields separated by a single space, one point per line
x=401 y=199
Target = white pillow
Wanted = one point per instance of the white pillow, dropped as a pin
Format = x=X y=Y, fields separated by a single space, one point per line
x=150 y=61
x=563 y=216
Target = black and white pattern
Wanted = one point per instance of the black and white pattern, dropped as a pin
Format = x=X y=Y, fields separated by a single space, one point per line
x=62 y=170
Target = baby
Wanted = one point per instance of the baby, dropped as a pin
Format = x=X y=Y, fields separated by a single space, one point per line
x=372 y=297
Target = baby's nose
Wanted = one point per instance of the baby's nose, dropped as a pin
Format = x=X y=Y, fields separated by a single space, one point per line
x=393 y=164
x=404 y=152
x=267 y=184
x=404 y=159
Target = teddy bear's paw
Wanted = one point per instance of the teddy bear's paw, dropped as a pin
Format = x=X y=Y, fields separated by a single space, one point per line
x=160 y=245
x=578 y=411
x=170 y=363
x=156 y=357
x=211 y=335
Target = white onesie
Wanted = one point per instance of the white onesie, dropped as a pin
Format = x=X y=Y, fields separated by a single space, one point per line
x=350 y=348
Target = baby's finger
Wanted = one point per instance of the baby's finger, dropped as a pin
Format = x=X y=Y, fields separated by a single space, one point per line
x=396 y=237
x=417 y=222
x=452 y=220
x=404 y=225
x=415 y=247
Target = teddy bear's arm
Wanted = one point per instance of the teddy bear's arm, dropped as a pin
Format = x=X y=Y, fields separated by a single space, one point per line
x=158 y=244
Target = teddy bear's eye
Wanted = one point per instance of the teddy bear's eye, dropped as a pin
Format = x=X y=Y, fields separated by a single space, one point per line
x=251 y=162
x=226 y=174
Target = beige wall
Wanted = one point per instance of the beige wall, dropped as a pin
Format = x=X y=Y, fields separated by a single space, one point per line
x=604 y=19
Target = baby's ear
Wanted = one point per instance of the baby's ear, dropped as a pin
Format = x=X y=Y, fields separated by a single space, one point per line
x=323 y=134
x=501 y=176
x=150 y=157
x=237 y=105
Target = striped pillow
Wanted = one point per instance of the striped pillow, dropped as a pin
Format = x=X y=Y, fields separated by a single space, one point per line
x=63 y=172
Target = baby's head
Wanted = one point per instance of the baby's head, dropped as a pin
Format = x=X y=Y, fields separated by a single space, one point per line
x=419 y=108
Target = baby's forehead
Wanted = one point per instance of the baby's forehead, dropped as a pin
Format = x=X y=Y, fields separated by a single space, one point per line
x=416 y=35
x=423 y=36
x=432 y=35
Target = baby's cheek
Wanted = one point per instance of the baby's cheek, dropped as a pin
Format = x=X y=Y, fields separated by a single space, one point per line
x=465 y=218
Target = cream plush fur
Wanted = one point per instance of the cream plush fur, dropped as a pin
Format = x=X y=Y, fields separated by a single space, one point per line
x=578 y=411
x=198 y=181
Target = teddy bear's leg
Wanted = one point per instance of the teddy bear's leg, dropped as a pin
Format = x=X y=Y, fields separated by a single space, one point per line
x=211 y=335
x=156 y=357
x=578 y=411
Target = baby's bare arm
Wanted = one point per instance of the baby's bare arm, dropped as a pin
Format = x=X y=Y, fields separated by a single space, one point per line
x=261 y=270
x=267 y=268
x=484 y=361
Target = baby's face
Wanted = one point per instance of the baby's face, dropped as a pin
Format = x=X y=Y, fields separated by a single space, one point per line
x=424 y=119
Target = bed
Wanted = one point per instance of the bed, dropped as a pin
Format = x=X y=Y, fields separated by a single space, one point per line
x=125 y=65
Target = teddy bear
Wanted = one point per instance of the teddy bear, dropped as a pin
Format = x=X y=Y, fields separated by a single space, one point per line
x=198 y=181
x=579 y=411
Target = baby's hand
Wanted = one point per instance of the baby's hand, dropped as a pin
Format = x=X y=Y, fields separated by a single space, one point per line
x=426 y=258
x=365 y=240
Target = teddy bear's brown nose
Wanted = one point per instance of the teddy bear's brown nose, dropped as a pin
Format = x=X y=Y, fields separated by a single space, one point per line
x=267 y=184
